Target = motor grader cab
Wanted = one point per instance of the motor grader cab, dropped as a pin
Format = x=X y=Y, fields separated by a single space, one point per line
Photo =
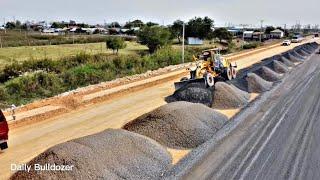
x=207 y=67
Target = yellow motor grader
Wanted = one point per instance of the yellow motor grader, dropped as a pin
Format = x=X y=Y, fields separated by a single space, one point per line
x=207 y=68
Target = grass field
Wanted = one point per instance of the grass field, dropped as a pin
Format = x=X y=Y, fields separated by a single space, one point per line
x=24 y=53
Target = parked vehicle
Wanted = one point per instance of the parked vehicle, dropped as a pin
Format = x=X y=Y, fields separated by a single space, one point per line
x=4 y=130
x=286 y=43
x=297 y=39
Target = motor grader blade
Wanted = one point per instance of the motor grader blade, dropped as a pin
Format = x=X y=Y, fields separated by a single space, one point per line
x=181 y=84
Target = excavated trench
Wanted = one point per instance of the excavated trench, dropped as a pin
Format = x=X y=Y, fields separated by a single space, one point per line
x=139 y=151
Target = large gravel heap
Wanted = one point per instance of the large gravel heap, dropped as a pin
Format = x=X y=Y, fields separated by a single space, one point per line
x=112 y=154
x=194 y=92
x=287 y=62
x=228 y=96
x=268 y=74
x=256 y=84
x=279 y=67
x=294 y=58
x=179 y=124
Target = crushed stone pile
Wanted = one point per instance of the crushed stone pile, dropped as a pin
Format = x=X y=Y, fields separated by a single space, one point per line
x=302 y=53
x=193 y=92
x=294 y=58
x=306 y=51
x=287 y=62
x=228 y=96
x=179 y=124
x=256 y=84
x=268 y=74
x=112 y=154
x=279 y=67
x=294 y=53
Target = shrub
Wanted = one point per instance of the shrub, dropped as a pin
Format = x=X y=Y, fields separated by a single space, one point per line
x=251 y=45
x=115 y=43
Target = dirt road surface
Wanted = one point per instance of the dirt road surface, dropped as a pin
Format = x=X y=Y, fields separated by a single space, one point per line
x=278 y=140
x=28 y=141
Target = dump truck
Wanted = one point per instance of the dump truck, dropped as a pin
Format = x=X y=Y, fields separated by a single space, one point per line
x=4 y=130
x=207 y=68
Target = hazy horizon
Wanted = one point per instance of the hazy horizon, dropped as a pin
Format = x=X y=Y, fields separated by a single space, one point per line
x=163 y=12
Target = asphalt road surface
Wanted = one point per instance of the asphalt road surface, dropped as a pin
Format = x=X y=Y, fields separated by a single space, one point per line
x=281 y=140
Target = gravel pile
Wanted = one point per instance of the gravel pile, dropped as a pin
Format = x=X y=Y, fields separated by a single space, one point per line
x=268 y=74
x=279 y=67
x=309 y=51
x=228 y=96
x=256 y=84
x=294 y=53
x=294 y=58
x=193 y=92
x=287 y=62
x=112 y=154
x=302 y=53
x=179 y=124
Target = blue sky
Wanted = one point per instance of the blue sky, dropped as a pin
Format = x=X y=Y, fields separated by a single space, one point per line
x=276 y=12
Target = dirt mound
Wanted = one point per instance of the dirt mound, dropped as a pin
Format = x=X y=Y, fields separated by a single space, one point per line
x=228 y=96
x=279 y=67
x=268 y=74
x=256 y=84
x=179 y=124
x=287 y=62
x=195 y=93
x=112 y=154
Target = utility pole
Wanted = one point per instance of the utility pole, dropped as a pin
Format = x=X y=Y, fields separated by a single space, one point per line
x=261 y=21
x=183 y=34
x=243 y=30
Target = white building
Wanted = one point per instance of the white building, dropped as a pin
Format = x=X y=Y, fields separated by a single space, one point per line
x=194 y=41
x=277 y=34
x=248 y=34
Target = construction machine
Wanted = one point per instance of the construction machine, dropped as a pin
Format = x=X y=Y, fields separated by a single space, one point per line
x=4 y=130
x=208 y=67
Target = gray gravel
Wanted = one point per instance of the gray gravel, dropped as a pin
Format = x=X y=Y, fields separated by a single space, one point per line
x=287 y=62
x=112 y=154
x=195 y=93
x=279 y=67
x=179 y=124
x=228 y=96
x=256 y=84
x=268 y=74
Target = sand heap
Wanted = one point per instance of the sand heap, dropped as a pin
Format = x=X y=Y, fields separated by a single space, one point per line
x=256 y=84
x=228 y=96
x=179 y=124
x=279 y=67
x=193 y=92
x=112 y=154
x=268 y=74
x=287 y=62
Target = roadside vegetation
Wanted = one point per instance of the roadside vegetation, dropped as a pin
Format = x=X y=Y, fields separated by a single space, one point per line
x=36 y=72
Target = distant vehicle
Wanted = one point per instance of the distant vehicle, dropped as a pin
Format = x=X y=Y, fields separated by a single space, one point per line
x=316 y=35
x=4 y=130
x=297 y=39
x=286 y=43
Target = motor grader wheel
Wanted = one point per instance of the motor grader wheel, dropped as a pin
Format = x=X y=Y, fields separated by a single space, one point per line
x=227 y=75
x=209 y=79
x=233 y=73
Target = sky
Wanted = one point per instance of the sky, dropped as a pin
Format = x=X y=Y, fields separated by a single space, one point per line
x=273 y=12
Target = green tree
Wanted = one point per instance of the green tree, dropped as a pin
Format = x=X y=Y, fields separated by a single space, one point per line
x=269 y=29
x=223 y=34
x=151 y=24
x=176 y=29
x=115 y=43
x=154 y=37
x=199 y=27
x=10 y=25
x=135 y=23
